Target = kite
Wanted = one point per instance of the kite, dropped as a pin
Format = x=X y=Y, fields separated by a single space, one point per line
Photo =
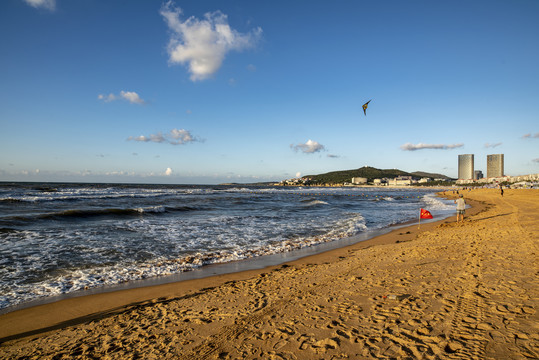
x=365 y=107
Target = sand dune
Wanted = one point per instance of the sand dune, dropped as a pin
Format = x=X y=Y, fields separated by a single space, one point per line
x=448 y=291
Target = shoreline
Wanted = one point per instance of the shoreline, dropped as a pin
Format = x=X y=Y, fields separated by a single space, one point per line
x=237 y=266
x=467 y=290
x=252 y=263
x=106 y=299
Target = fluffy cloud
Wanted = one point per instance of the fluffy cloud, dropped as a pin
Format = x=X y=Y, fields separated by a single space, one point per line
x=203 y=43
x=174 y=137
x=309 y=147
x=487 y=145
x=168 y=172
x=529 y=136
x=421 y=146
x=130 y=96
x=46 y=4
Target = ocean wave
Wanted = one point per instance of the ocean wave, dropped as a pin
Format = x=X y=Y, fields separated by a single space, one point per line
x=109 y=275
x=310 y=202
x=74 y=214
x=10 y=200
x=432 y=202
x=91 y=213
x=115 y=212
x=66 y=195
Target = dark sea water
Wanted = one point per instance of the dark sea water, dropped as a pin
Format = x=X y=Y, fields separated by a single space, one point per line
x=62 y=238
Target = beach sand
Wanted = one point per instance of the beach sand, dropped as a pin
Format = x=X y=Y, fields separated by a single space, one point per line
x=446 y=291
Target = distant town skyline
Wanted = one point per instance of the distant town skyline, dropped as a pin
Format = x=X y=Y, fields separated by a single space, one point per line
x=495 y=166
x=130 y=92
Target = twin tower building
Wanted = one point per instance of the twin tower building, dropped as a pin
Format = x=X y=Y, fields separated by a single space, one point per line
x=466 y=167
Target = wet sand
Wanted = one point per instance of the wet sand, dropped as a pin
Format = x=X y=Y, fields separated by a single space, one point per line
x=445 y=291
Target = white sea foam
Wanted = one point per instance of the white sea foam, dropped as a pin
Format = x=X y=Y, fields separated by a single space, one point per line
x=152 y=209
x=435 y=203
x=316 y=202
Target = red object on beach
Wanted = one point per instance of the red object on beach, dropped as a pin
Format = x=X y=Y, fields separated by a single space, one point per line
x=425 y=214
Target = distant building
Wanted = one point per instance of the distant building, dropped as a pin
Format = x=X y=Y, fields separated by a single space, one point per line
x=477 y=174
x=495 y=166
x=466 y=170
x=359 y=180
x=400 y=181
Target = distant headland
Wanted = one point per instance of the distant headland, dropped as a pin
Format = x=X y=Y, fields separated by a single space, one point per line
x=365 y=176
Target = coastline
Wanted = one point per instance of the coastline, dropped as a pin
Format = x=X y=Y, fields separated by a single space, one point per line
x=367 y=282
x=123 y=295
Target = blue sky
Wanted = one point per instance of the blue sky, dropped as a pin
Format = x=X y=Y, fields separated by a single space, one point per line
x=241 y=91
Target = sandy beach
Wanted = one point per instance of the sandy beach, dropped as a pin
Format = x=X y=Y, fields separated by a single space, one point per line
x=444 y=291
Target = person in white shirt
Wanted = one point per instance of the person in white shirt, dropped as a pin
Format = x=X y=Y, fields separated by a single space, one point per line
x=461 y=207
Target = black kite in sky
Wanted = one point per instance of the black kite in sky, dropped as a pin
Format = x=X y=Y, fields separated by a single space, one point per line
x=365 y=107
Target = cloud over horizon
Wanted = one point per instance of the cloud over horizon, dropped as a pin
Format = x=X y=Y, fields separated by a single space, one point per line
x=174 y=137
x=487 y=145
x=309 y=147
x=529 y=136
x=203 y=43
x=46 y=4
x=421 y=146
x=129 y=96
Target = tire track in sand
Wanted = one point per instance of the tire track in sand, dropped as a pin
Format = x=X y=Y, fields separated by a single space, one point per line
x=466 y=340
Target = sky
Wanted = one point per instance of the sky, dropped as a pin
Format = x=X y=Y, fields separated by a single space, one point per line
x=208 y=92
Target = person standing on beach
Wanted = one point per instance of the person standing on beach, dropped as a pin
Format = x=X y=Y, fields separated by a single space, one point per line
x=461 y=206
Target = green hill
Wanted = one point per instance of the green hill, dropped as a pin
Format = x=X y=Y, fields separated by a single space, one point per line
x=339 y=177
x=422 y=174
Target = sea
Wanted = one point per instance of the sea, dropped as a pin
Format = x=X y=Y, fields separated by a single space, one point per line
x=62 y=239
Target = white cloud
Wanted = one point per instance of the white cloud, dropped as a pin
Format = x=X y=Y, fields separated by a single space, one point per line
x=487 y=145
x=203 y=43
x=181 y=136
x=46 y=4
x=130 y=96
x=309 y=147
x=168 y=172
x=174 y=137
x=528 y=136
x=106 y=98
x=421 y=146
x=298 y=174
